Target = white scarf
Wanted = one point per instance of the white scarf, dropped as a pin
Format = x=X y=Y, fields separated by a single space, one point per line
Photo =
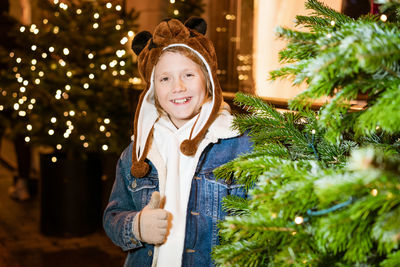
x=176 y=171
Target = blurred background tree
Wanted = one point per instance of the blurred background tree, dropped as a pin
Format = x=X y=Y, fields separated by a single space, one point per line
x=70 y=79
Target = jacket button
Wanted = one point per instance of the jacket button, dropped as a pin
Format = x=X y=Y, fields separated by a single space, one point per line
x=149 y=252
x=134 y=184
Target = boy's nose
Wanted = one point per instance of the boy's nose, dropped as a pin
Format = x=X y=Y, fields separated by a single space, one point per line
x=179 y=86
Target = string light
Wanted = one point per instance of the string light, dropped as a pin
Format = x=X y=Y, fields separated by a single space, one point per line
x=22 y=89
x=383 y=18
x=104 y=147
x=120 y=53
x=51 y=132
x=85 y=85
x=27 y=139
x=79 y=11
x=124 y=40
x=82 y=137
x=95 y=25
x=113 y=63
x=109 y=5
x=56 y=29
x=51 y=49
x=45 y=21
x=131 y=33
x=374 y=192
x=172 y=1
x=299 y=220
x=32 y=28
x=37 y=81
x=96 y=15
x=22 y=29
x=86 y=144
x=66 y=51
x=102 y=128
x=333 y=23
x=22 y=113
x=53 y=120
x=54 y=159
x=176 y=12
x=118 y=8
x=230 y=17
x=63 y=6
x=44 y=55
x=90 y=56
x=59 y=146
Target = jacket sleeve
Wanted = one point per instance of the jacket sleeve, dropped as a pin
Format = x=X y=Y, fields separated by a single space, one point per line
x=120 y=212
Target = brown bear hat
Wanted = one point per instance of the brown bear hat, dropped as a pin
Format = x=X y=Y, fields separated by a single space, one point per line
x=148 y=48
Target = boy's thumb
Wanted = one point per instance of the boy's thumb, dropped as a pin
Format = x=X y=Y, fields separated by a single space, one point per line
x=155 y=200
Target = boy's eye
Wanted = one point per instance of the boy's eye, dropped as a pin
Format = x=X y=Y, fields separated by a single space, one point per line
x=189 y=75
x=164 y=79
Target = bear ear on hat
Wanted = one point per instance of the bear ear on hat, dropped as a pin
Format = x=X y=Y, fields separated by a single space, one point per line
x=140 y=41
x=197 y=24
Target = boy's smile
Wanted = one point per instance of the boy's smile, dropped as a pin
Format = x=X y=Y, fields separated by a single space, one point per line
x=180 y=87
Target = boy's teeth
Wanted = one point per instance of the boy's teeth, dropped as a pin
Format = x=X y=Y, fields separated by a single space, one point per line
x=180 y=101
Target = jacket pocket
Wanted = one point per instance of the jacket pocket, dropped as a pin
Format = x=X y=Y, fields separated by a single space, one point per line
x=141 y=190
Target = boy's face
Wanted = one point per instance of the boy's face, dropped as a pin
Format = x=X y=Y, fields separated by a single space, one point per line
x=180 y=87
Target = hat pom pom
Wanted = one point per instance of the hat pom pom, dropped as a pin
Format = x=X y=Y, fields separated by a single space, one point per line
x=139 y=169
x=188 y=147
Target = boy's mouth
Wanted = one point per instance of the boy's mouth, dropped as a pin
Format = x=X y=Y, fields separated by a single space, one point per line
x=181 y=100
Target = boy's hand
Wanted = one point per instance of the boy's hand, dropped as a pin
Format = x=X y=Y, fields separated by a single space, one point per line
x=151 y=224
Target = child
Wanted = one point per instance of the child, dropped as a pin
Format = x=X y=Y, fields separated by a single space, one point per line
x=166 y=203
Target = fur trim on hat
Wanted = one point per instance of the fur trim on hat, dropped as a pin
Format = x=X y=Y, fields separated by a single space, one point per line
x=149 y=48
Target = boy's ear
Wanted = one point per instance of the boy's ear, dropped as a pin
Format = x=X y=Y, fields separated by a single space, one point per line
x=198 y=24
x=140 y=41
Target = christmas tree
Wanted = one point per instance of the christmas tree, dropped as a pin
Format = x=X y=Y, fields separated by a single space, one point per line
x=324 y=186
x=71 y=78
x=184 y=9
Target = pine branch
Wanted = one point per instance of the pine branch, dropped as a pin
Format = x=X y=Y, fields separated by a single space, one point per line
x=320 y=9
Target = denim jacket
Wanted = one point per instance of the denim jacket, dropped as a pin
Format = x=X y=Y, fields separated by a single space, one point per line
x=129 y=195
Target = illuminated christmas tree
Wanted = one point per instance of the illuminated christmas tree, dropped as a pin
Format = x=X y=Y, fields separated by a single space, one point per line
x=71 y=77
x=324 y=185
